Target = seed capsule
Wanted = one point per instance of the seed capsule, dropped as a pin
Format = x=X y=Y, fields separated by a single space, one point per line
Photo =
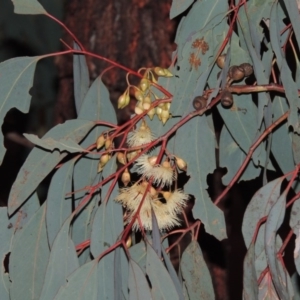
x=248 y=69
x=199 y=102
x=221 y=61
x=226 y=99
x=236 y=73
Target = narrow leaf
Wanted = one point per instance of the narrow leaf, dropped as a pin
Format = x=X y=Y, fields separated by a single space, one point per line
x=6 y=232
x=28 y=7
x=32 y=173
x=27 y=265
x=59 y=205
x=277 y=271
x=200 y=158
x=81 y=78
x=196 y=274
x=161 y=282
x=63 y=261
x=16 y=78
x=137 y=283
x=82 y=284
x=178 y=7
x=52 y=144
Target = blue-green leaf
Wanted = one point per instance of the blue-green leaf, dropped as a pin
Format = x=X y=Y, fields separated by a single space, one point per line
x=138 y=254
x=200 y=158
x=52 y=144
x=173 y=274
x=196 y=274
x=137 y=283
x=250 y=289
x=232 y=157
x=16 y=78
x=178 y=7
x=59 y=205
x=63 y=261
x=82 y=284
x=32 y=173
x=81 y=77
x=28 y=7
x=6 y=231
x=259 y=207
x=294 y=223
x=27 y=265
x=161 y=282
x=278 y=273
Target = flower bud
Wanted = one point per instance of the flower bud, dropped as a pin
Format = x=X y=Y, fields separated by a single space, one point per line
x=167 y=73
x=180 y=163
x=152 y=160
x=103 y=161
x=146 y=103
x=123 y=100
x=151 y=113
x=159 y=71
x=139 y=108
x=125 y=178
x=138 y=95
x=108 y=143
x=144 y=84
x=129 y=242
x=100 y=141
x=121 y=158
x=165 y=116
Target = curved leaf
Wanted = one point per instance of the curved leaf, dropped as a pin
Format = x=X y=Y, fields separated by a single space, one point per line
x=178 y=7
x=28 y=7
x=52 y=144
x=82 y=284
x=137 y=283
x=81 y=78
x=200 y=158
x=161 y=282
x=62 y=262
x=196 y=274
x=59 y=205
x=6 y=232
x=32 y=173
x=16 y=78
x=27 y=265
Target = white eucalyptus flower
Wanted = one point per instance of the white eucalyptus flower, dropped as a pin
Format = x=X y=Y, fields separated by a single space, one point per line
x=140 y=136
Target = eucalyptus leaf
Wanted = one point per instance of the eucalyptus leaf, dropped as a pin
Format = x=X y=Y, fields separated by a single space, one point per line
x=6 y=232
x=195 y=143
x=278 y=272
x=62 y=262
x=178 y=7
x=28 y=7
x=81 y=77
x=16 y=78
x=40 y=163
x=82 y=284
x=59 y=204
x=27 y=265
x=51 y=144
x=137 y=283
x=196 y=274
x=161 y=282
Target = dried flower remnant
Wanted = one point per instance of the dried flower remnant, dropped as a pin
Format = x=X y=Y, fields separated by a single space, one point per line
x=194 y=61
